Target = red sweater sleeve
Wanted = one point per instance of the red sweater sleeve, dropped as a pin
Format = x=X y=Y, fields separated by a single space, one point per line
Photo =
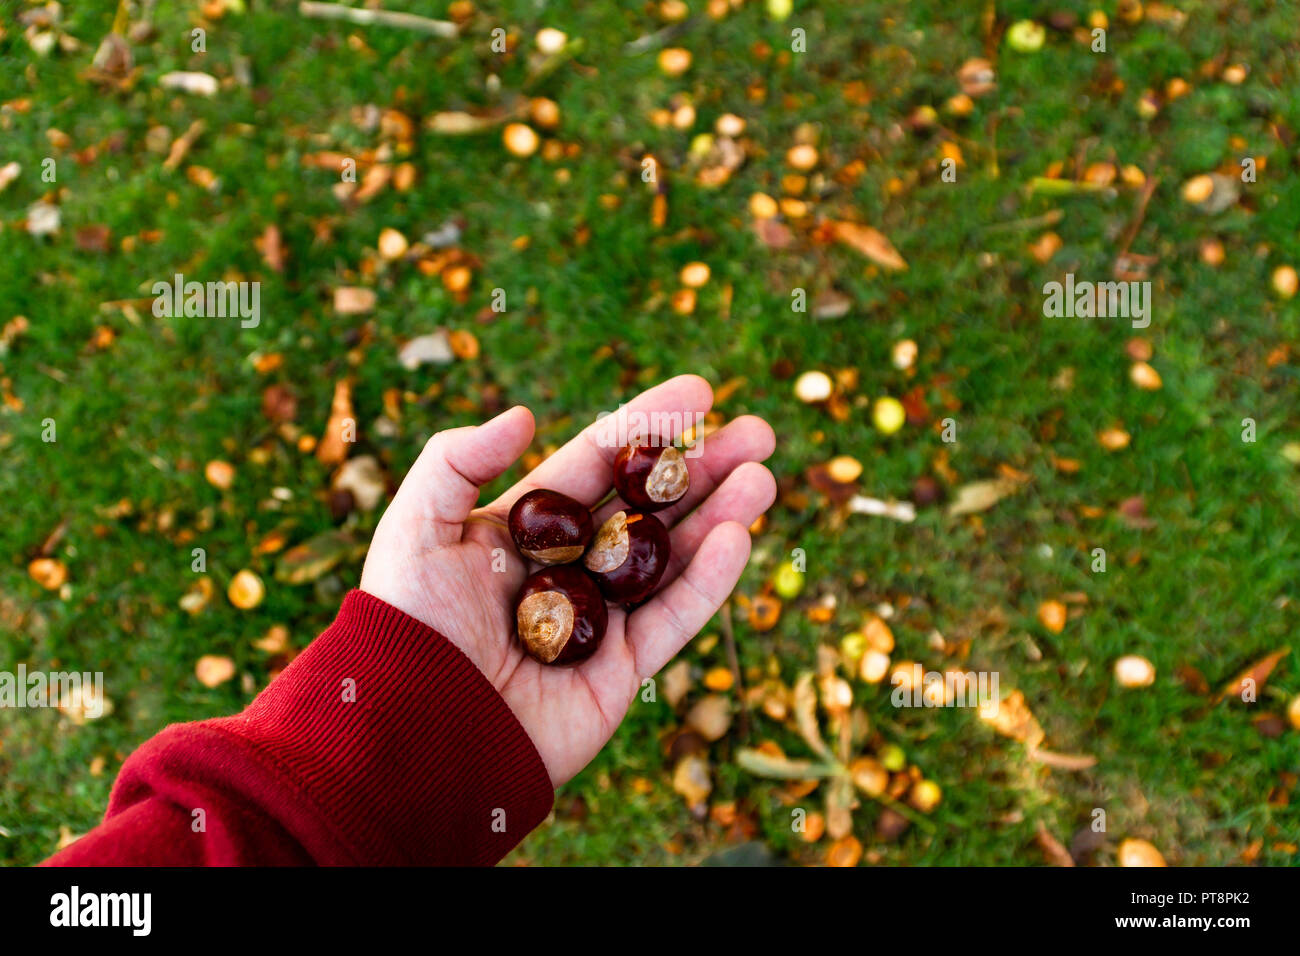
x=381 y=743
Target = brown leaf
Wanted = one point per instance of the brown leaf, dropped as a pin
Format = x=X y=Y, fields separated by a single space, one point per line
x=914 y=404
x=95 y=238
x=821 y=478
x=279 y=403
x=870 y=243
x=773 y=234
x=1056 y=853
x=333 y=447
x=1192 y=679
x=1013 y=719
x=1255 y=674
x=1134 y=514
x=271 y=246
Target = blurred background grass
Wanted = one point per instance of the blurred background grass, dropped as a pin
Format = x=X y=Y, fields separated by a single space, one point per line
x=140 y=408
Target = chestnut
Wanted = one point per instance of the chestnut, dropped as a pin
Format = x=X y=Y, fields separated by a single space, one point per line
x=561 y=615
x=550 y=528
x=629 y=556
x=650 y=478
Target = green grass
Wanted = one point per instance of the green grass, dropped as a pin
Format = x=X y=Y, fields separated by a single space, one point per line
x=1209 y=585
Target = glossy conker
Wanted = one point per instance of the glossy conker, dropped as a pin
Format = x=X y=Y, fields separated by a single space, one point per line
x=561 y=615
x=650 y=478
x=628 y=556
x=550 y=528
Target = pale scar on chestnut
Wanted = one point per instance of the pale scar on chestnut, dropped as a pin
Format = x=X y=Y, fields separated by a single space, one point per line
x=545 y=622
x=610 y=549
x=669 y=479
x=554 y=555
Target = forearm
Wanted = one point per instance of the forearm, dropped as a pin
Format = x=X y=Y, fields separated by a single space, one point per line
x=380 y=744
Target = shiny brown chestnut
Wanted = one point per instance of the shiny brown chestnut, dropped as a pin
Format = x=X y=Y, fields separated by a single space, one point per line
x=650 y=478
x=628 y=556
x=550 y=528
x=560 y=615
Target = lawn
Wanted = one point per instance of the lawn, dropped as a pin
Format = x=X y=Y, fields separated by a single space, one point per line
x=557 y=277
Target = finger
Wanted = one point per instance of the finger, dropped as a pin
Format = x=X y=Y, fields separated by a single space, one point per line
x=742 y=497
x=746 y=439
x=443 y=484
x=582 y=469
x=661 y=628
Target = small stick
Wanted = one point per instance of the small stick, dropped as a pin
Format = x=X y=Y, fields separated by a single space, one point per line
x=1049 y=218
x=386 y=18
x=648 y=42
x=609 y=496
x=1136 y=224
x=733 y=661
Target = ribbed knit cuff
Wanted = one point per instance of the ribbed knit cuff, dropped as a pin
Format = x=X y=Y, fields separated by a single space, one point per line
x=382 y=743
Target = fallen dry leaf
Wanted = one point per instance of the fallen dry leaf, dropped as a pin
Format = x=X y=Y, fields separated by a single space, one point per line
x=980 y=496
x=1253 y=676
x=271 y=246
x=1013 y=719
x=340 y=430
x=1052 y=848
x=870 y=243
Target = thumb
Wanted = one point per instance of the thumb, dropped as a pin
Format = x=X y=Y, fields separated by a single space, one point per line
x=444 y=481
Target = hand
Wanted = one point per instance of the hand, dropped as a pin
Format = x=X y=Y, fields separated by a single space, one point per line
x=433 y=559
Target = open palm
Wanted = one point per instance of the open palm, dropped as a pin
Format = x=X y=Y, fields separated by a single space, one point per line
x=455 y=568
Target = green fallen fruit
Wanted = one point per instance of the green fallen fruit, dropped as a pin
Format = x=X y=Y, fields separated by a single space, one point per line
x=1026 y=36
x=788 y=581
x=891 y=756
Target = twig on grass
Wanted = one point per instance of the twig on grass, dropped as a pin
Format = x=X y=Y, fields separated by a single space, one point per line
x=733 y=661
x=385 y=18
x=1121 y=259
